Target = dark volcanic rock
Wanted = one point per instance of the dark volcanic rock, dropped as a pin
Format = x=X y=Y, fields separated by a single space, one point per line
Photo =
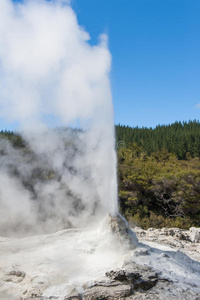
x=121 y=283
x=139 y=277
x=107 y=290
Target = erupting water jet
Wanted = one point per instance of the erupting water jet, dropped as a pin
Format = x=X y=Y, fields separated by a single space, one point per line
x=51 y=74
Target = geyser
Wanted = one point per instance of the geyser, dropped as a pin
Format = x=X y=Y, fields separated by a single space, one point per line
x=57 y=179
x=119 y=227
x=50 y=76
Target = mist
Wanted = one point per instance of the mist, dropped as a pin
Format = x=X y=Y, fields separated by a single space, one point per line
x=51 y=82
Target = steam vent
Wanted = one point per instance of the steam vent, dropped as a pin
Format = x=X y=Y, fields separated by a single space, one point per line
x=119 y=227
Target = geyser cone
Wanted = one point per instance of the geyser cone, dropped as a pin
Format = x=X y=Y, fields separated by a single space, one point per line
x=118 y=226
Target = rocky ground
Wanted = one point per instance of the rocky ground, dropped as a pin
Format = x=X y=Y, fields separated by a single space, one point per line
x=186 y=241
x=108 y=263
x=136 y=281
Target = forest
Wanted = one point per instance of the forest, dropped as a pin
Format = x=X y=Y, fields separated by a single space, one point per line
x=180 y=138
x=158 y=173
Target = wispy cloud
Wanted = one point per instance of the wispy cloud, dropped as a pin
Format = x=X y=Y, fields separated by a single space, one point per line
x=197 y=106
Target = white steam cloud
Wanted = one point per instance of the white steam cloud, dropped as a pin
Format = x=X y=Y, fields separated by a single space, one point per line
x=49 y=73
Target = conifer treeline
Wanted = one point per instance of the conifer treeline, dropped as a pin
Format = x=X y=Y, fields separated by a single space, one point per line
x=179 y=138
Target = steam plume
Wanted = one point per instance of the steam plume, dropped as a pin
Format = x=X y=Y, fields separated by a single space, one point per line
x=50 y=74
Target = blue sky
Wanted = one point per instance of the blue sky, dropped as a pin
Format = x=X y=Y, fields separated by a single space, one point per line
x=155 y=47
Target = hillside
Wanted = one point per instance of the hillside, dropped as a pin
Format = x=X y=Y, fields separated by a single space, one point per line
x=158 y=178
x=179 y=138
x=159 y=174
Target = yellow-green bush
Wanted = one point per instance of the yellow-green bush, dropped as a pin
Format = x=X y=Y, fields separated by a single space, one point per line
x=159 y=190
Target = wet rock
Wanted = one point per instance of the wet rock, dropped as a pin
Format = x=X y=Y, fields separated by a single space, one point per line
x=120 y=228
x=139 y=277
x=107 y=290
x=122 y=283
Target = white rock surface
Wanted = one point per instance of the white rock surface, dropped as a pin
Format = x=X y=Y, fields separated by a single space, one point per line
x=71 y=264
x=195 y=234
